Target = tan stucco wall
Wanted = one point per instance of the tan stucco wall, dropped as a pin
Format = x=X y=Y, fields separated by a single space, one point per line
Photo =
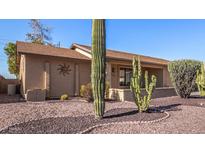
x=166 y=78
x=33 y=68
x=85 y=72
x=127 y=95
x=115 y=76
x=59 y=84
x=34 y=72
x=154 y=71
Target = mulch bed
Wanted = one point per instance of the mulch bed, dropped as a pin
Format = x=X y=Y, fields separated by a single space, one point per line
x=72 y=125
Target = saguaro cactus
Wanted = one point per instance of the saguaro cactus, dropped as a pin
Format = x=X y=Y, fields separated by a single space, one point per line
x=142 y=102
x=98 y=65
x=200 y=80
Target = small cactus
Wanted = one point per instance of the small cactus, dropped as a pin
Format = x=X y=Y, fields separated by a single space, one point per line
x=200 y=80
x=142 y=102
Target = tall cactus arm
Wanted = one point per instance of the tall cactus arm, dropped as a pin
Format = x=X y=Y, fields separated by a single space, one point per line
x=151 y=88
x=200 y=80
x=154 y=80
x=146 y=82
x=197 y=77
x=142 y=102
x=139 y=68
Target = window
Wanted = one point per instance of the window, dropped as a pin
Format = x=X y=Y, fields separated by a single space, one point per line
x=113 y=70
x=125 y=76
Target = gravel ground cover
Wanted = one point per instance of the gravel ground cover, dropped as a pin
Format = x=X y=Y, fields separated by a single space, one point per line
x=188 y=120
x=70 y=125
x=4 y=98
x=192 y=101
x=186 y=116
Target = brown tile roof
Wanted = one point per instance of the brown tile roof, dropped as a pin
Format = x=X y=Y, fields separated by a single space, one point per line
x=119 y=55
x=32 y=48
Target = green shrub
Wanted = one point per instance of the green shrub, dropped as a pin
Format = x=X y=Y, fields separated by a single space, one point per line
x=64 y=97
x=183 y=76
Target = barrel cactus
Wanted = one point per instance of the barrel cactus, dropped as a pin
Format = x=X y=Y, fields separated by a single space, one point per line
x=98 y=65
x=142 y=101
x=200 y=80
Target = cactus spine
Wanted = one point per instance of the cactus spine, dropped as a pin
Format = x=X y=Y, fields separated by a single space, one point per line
x=98 y=66
x=200 y=80
x=142 y=102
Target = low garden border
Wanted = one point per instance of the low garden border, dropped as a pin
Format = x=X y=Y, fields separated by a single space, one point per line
x=125 y=122
x=97 y=125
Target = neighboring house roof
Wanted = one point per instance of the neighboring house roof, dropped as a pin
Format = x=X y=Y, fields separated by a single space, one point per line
x=38 y=49
x=119 y=55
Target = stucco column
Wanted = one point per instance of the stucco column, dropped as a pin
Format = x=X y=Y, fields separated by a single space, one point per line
x=47 y=79
x=77 y=80
x=166 y=78
x=109 y=73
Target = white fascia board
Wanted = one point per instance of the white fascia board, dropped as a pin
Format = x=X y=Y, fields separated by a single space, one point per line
x=83 y=52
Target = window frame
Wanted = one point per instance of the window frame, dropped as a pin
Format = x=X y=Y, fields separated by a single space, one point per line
x=125 y=69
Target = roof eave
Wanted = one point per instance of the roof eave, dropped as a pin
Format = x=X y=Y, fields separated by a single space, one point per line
x=129 y=60
x=26 y=53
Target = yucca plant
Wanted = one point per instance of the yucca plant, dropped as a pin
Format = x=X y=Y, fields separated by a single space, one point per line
x=142 y=101
x=200 y=80
x=98 y=65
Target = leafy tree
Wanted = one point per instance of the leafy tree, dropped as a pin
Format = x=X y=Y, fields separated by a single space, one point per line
x=40 y=34
x=10 y=51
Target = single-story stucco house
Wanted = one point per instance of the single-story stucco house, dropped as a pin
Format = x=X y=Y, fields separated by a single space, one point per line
x=64 y=70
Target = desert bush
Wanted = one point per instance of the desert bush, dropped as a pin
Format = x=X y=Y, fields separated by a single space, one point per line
x=107 y=87
x=64 y=97
x=86 y=91
x=183 y=76
x=82 y=90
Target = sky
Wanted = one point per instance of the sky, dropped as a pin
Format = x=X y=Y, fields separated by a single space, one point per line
x=167 y=39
